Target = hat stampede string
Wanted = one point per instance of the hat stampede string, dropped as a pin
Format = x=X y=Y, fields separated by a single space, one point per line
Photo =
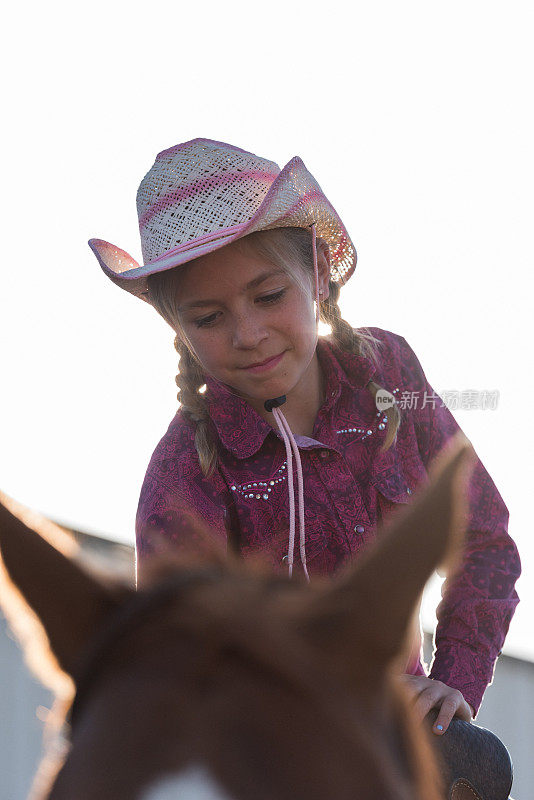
x=293 y=450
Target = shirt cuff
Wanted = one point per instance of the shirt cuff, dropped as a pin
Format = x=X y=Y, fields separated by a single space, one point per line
x=464 y=668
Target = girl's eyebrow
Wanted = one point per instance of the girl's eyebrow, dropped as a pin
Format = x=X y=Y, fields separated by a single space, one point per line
x=250 y=285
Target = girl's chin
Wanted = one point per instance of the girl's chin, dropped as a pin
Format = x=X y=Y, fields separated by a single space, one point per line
x=267 y=391
x=267 y=394
x=263 y=387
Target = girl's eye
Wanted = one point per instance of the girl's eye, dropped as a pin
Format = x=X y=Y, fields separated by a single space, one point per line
x=205 y=322
x=272 y=298
x=266 y=299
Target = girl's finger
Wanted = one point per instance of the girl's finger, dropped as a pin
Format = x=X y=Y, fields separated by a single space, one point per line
x=465 y=712
x=446 y=713
x=429 y=698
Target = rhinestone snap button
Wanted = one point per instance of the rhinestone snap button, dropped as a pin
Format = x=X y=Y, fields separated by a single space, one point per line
x=359 y=529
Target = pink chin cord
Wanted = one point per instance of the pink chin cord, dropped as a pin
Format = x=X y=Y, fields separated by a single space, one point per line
x=292 y=450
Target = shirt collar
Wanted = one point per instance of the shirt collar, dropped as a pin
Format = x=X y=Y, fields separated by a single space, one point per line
x=240 y=428
x=342 y=368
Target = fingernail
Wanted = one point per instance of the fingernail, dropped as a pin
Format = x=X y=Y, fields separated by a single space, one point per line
x=439 y=727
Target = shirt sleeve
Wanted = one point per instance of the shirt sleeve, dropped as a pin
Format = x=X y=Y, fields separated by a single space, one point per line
x=479 y=601
x=178 y=506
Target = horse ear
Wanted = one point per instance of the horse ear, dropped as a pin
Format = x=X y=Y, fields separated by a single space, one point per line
x=68 y=601
x=363 y=619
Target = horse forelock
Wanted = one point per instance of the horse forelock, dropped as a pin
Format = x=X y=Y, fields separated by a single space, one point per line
x=174 y=603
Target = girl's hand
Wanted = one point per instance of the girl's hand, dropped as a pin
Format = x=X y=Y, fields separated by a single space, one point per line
x=427 y=693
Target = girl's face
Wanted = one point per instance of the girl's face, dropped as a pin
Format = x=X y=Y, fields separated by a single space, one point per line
x=249 y=323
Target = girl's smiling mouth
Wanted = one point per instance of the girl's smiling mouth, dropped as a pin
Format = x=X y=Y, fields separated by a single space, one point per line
x=265 y=365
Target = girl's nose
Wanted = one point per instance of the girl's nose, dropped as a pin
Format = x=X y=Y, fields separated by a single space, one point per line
x=248 y=332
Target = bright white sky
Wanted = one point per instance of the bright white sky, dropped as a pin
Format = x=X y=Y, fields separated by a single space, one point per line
x=416 y=119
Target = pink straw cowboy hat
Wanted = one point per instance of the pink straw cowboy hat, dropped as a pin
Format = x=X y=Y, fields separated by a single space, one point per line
x=202 y=195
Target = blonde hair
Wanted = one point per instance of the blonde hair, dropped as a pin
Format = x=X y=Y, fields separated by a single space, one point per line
x=289 y=249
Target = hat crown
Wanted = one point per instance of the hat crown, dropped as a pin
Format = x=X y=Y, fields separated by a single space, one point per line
x=202 y=195
x=196 y=188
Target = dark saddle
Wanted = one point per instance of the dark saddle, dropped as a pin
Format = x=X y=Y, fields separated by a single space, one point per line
x=475 y=763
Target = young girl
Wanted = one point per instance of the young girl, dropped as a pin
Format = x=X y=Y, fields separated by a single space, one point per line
x=287 y=443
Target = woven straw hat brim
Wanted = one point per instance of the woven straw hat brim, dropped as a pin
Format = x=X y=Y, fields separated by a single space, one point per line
x=307 y=204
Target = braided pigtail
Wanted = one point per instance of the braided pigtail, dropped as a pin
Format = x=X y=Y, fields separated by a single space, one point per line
x=361 y=344
x=189 y=380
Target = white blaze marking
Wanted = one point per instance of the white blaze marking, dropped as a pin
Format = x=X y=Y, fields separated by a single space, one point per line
x=195 y=783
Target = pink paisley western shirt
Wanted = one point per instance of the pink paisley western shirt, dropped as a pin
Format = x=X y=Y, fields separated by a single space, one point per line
x=349 y=487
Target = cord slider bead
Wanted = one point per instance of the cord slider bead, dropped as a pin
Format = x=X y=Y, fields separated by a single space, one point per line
x=275 y=402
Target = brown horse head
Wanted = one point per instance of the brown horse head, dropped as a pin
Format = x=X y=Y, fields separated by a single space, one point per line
x=248 y=685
